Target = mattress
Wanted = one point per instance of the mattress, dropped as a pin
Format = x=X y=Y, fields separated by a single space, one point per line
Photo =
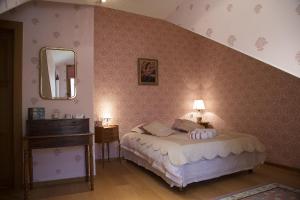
x=181 y=175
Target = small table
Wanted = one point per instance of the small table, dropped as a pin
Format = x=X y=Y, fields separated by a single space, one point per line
x=105 y=135
x=54 y=141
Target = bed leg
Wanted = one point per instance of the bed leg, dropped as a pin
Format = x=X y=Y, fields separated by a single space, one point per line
x=250 y=171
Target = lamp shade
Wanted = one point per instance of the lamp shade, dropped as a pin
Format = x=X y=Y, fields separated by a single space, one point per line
x=198 y=105
x=107 y=115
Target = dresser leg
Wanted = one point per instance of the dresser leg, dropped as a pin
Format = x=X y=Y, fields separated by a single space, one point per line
x=119 y=150
x=91 y=166
x=86 y=151
x=26 y=174
x=102 y=154
x=107 y=144
x=30 y=169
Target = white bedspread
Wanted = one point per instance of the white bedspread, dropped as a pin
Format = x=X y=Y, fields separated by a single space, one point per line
x=181 y=150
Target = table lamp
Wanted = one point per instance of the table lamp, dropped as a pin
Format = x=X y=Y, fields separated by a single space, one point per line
x=200 y=107
x=106 y=118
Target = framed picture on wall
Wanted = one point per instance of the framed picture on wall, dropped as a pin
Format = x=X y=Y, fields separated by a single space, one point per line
x=147 y=71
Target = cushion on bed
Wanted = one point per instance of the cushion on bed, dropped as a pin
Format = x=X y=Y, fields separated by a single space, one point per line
x=202 y=134
x=185 y=125
x=138 y=128
x=158 y=129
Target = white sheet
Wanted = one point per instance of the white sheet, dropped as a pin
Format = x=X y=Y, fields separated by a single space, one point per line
x=157 y=159
x=181 y=150
x=181 y=176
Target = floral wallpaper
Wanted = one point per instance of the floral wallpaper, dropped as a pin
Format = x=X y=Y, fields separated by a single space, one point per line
x=121 y=39
x=241 y=93
x=57 y=25
x=249 y=96
x=264 y=29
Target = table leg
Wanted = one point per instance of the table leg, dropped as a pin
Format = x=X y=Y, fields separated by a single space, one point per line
x=26 y=173
x=107 y=144
x=119 y=150
x=30 y=169
x=102 y=154
x=91 y=163
x=86 y=151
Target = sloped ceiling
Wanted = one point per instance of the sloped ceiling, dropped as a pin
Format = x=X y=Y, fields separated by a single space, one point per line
x=151 y=8
x=267 y=30
x=6 y=5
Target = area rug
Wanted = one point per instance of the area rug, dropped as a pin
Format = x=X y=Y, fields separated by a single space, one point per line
x=272 y=191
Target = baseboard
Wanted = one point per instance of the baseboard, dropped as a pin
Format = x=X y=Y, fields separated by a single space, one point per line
x=283 y=166
x=59 y=182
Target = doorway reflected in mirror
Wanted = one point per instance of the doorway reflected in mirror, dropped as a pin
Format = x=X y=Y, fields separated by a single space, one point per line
x=57 y=73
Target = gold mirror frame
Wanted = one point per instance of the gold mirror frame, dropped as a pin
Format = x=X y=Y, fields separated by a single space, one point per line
x=42 y=60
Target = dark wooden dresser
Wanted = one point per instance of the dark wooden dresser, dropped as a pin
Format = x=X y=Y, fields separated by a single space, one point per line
x=53 y=134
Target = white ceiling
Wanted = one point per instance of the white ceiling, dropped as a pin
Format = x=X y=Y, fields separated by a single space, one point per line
x=151 y=8
x=6 y=5
x=164 y=9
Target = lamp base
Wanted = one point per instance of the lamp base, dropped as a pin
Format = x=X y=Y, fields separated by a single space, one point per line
x=199 y=120
x=105 y=122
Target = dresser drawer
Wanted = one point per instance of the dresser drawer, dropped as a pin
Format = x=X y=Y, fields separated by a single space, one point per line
x=57 y=127
x=106 y=134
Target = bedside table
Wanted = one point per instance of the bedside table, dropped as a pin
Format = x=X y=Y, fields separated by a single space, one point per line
x=105 y=135
x=206 y=124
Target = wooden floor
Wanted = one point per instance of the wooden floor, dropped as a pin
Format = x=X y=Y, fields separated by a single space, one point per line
x=122 y=181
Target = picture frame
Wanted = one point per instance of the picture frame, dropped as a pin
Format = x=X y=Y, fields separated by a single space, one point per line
x=147 y=71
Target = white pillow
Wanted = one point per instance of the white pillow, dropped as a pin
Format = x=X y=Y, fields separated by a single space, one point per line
x=138 y=128
x=185 y=125
x=158 y=129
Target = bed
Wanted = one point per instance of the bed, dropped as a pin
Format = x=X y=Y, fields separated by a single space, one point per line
x=181 y=161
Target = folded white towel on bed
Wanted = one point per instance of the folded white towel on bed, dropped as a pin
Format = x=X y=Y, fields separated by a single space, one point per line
x=202 y=134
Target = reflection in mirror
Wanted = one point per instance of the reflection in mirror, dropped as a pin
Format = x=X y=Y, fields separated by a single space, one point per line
x=57 y=73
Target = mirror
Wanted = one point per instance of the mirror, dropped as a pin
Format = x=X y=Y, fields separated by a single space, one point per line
x=57 y=73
